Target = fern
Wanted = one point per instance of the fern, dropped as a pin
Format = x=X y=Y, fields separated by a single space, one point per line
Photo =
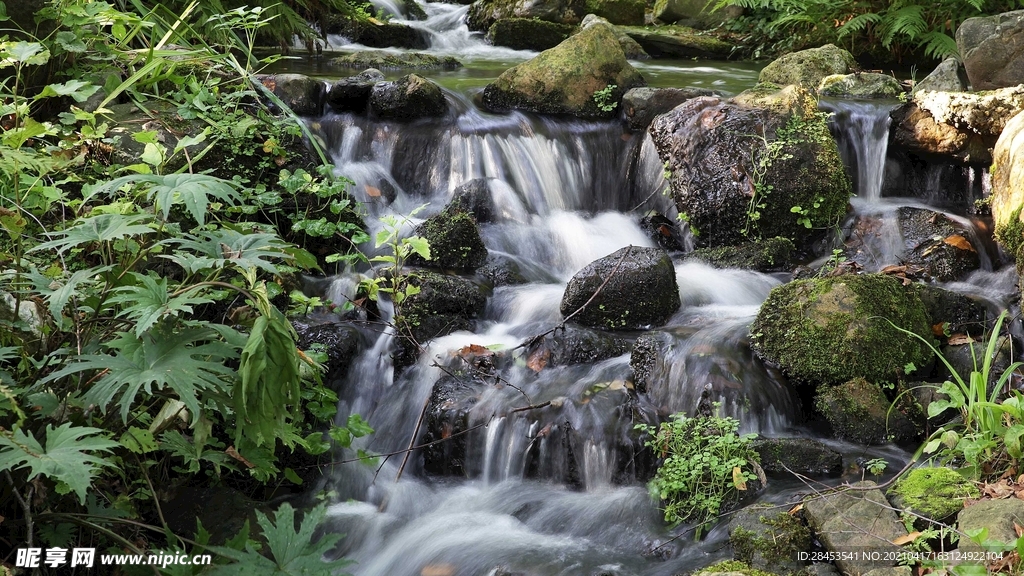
x=66 y=458
x=907 y=21
x=858 y=24
x=938 y=45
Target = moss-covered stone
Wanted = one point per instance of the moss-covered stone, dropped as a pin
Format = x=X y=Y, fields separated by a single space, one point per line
x=860 y=412
x=444 y=305
x=860 y=85
x=454 y=239
x=527 y=33
x=787 y=100
x=409 y=98
x=483 y=13
x=808 y=67
x=831 y=330
x=731 y=568
x=769 y=255
x=1008 y=186
x=678 y=42
x=395 y=61
x=564 y=79
x=766 y=538
x=784 y=456
x=626 y=12
x=936 y=493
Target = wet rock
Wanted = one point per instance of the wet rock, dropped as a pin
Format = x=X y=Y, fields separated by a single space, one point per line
x=630 y=48
x=963 y=126
x=768 y=538
x=648 y=351
x=640 y=291
x=859 y=520
x=801 y=455
x=475 y=197
x=769 y=255
x=587 y=62
x=831 y=330
x=408 y=98
x=729 y=568
x=948 y=76
x=953 y=311
x=447 y=416
x=484 y=13
x=341 y=342
x=577 y=345
x=641 y=105
x=999 y=517
x=527 y=33
x=859 y=411
x=993 y=49
x=807 y=68
x=706 y=143
x=304 y=95
x=626 y=12
x=860 y=85
x=694 y=12
x=384 y=35
x=678 y=42
x=352 y=94
x=970 y=357
x=891 y=571
x=382 y=60
x=454 y=239
x=499 y=270
x=444 y=305
x=1007 y=198
x=662 y=230
x=938 y=494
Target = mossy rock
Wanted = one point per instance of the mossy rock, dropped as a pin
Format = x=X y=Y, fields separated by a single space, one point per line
x=527 y=33
x=731 y=568
x=808 y=67
x=454 y=239
x=625 y=12
x=409 y=98
x=831 y=330
x=444 y=305
x=936 y=493
x=784 y=456
x=382 y=60
x=484 y=13
x=860 y=85
x=1008 y=187
x=860 y=412
x=766 y=538
x=678 y=42
x=564 y=79
x=769 y=255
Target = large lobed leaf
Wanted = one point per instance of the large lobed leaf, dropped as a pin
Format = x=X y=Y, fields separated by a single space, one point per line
x=65 y=458
x=190 y=190
x=150 y=300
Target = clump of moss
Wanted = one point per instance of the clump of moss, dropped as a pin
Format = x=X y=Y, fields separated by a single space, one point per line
x=831 y=330
x=773 y=548
x=454 y=239
x=731 y=567
x=935 y=493
x=769 y=255
x=858 y=411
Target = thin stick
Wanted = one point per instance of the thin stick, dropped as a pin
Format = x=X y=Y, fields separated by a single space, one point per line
x=412 y=440
x=26 y=506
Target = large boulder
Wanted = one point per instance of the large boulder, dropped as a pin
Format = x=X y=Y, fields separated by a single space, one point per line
x=734 y=185
x=639 y=290
x=483 y=13
x=767 y=255
x=807 y=68
x=641 y=105
x=352 y=94
x=993 y=49
x=858 y=520
x=377 y=34
x=630 y=48
x=963 y=126
x=443 y=305
x=830 y=330
x=528 y=33
x=304 y=95
x=767 y=538
x=859 y=411
x=564 y=79
x=678 y=42
x=474 y=197
x=999 y=517
x=784 y=456
x=948 y=76
x=1008 y=186
x=693 y=12
x=408 y=98
x=860 y=85
x=381 y=60
x=627 y=12
x=454 y=240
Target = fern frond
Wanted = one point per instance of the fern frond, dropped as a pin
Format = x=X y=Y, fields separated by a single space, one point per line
x=938 y=45
x=907 y=21
x=858 y=24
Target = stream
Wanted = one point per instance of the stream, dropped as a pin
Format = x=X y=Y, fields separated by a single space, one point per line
x=554 y=491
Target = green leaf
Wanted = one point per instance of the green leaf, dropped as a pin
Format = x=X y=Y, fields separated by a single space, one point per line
x=27 y=53
x=66 y=458
x=153 y=154
x=102 y=228
x=292 y=476
x=150 y=301
x=80 y=90
x=269 y=392
x=139 y=440
x=358 y=426
x=220 y=248
x=419 y=246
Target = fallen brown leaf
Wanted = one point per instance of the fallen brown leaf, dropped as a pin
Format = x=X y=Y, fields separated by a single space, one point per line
x=371 y=191
x=230 y=451
x=894 y=269
x=796 y=509
x=737 y=478
x=906 y=539
x=958 y=339
x=958 y=241
x=538 y=360
x=438 y=570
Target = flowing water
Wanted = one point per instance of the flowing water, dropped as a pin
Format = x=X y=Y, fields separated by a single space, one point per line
x=549 y=474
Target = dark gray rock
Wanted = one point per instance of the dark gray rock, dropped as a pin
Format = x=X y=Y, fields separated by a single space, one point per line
x=454 y=239
x=527 y=33
x=648 y=351
x=640 y=292
x=408 y=98
x=961 y=314
x=484 y=13
x=444 y=305
x=447 y=417
x=948 y=76
x=500 y=270
x=578 y=345
x=475 y=197
x=304 y=95
x=859 y=411
x=993 y=50
x=381 y=60
x=801 y=455
x=641 y=105
x=342 y=342
x=384 y=35
x=769 y=255
x=352 y=94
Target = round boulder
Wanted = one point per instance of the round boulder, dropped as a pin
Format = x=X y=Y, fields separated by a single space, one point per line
x=352 y=94
x=454 y=239
x=948 y=76
x=408 y=98
x=483 y=13
x=565 y=79
x=639 y=290
x=993 y=49
x=830 y=330
x=527 y=33
x=807 y=68
x=304 y=95
x=1008 y=186
x=641 y=105
x=860 y=85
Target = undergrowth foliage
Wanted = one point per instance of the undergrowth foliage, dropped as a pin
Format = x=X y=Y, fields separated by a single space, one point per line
x=142 y=337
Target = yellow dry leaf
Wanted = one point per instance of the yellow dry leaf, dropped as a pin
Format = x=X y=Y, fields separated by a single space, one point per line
x=958 y=241
x=906 y=539
x=737 y=478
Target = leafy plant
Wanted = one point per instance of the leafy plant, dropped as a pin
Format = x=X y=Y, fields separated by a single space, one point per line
x=706 y=464
x=392 y=279
x=604 y=98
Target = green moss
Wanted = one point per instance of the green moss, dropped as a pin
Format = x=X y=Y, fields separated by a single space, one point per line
x=733 y=566
x=382 y=60
x=808 y=67
x=1011 y=234
x=860 y=412
x=830 y=330
x=769 y=255
x=775 y=548
x=629 y=12
x=454 y=240
x=936 y=493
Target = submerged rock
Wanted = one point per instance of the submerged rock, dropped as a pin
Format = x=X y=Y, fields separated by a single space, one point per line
x=768 y=255
x=527 y=33
x=859 y=411
x=807 y=68
x=783 y=456
x=831 y=330
x=707 y=145
x=1007 y=198
x=993 y=49
x=860 y=85
x=640 y=292
x=352 y=94
x=642 y=105
x=577 y=345
x=937 y=494
x=499 y=270
x=948 y=76
x=408 y=98
x=663 y=231
x=382 y=60
x=454 y=239
x=304 y=95
x=447 y=418
x=564 y=79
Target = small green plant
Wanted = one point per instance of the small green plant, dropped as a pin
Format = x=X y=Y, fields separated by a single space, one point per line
x=834 y=261
x=393 y=280
x=706 y=465
x=876 y=466
x=604 y=99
